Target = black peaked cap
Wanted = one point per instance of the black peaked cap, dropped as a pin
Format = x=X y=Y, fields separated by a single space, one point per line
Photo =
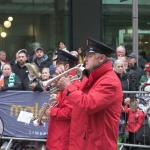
x=99 y=47
x=65 y=56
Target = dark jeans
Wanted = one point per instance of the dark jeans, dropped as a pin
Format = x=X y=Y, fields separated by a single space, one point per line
x=132 y=140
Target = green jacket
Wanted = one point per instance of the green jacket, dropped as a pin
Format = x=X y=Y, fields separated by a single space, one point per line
x=142 y=80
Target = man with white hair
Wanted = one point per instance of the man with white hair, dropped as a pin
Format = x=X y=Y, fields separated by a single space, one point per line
x=120 y=51
x=97 y=101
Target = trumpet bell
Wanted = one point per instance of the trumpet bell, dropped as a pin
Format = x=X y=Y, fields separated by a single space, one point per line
x=37 y=122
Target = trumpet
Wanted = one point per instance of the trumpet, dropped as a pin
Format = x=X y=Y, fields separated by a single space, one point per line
x=56 y=90
x=53 y=93
x=48 y=82
x=38 y=121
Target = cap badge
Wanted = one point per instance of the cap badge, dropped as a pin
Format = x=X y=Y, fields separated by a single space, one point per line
x=91 y=49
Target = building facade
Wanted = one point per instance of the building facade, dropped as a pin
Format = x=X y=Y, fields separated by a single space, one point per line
x=72 y=21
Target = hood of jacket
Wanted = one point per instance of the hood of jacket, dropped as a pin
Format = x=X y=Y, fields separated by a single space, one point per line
x=45 y=58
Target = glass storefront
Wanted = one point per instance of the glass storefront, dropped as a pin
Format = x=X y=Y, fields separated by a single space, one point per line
x=117 y=24
x=42 y=21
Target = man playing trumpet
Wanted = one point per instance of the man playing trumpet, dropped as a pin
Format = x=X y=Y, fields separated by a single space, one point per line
x=60 y=115
x=96 y=102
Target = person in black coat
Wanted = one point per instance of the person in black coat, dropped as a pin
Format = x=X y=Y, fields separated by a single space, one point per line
x=126 y=82
x=132 y=60
x=130 y=73
x=42 y=60
x=19 y=68
x=9 y=80
x=125 y=79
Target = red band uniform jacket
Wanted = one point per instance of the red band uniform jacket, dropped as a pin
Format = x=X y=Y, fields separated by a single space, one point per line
x=59 y=125
x=96 y=111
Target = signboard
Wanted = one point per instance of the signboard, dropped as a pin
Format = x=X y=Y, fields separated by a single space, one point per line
x=12 y=102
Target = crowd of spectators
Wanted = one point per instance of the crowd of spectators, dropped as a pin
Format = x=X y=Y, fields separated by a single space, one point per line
x=133 y=75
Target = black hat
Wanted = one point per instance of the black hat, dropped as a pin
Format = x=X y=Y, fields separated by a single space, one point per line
x=39 y=48
x=98 y=47
x=22 y=50
x=63 y=55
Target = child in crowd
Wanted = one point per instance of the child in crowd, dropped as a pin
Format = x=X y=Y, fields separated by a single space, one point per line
x=135 y=119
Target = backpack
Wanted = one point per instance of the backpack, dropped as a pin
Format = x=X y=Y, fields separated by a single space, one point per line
x=143 y=135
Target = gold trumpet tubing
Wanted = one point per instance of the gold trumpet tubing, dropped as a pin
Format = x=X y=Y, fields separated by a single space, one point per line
x=48 y=82
x=38 y=121
x=75 y=78
x=55 y=89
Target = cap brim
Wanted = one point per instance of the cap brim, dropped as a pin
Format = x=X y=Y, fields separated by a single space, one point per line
x=63 y=55
x=22 y=50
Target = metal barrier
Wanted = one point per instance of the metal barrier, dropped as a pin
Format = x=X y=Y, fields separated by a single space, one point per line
x=24 y=139
x=122 y=145
x=138 y=95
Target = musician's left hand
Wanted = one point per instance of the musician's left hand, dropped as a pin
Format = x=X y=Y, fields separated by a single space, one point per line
x=63 y=83
x=47 y=112
x=54 y=104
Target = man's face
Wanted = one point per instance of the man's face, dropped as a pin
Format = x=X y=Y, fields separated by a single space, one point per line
x=131 y=61
x=59 y=63
x=39 y=54
x=3 y=56
x=92 y=61
x=120 y=52
x=22 y=58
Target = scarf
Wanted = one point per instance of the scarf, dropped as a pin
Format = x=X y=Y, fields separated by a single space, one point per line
x=11 y=80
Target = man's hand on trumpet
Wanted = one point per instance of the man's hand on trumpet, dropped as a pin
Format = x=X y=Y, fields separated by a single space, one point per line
x=63 y=81
x=49 y=106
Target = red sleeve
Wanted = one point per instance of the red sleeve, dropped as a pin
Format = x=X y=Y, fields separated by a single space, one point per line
x=63 y=111
x=126 y=109
x=100 y=97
